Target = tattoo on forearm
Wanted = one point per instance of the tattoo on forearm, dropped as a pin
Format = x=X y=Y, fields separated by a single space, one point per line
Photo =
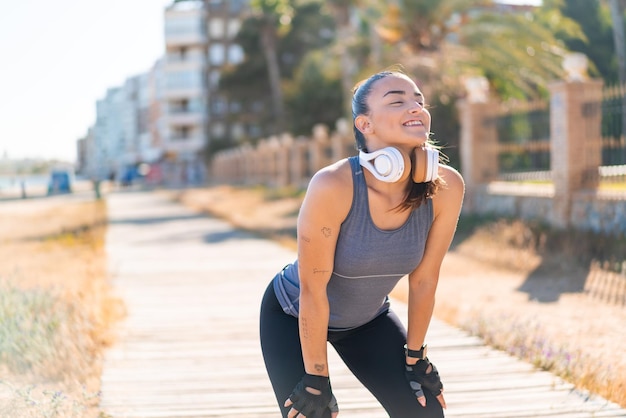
x=326 y=232
x=319 y=271
x=305 y=239
x=304 y=328
x=319 y=367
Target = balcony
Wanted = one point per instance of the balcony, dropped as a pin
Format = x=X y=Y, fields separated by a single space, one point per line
x=185 y=118
x=183 y=93
x=189 y=144
x=176 y=62
x=184 y=39
x=184 y=24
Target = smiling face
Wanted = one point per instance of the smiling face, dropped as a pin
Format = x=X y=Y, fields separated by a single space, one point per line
x=396 y=114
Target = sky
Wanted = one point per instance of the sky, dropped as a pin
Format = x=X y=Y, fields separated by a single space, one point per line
x=59 y=58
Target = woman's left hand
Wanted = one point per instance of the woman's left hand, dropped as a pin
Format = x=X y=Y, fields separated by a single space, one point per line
x=424 y=375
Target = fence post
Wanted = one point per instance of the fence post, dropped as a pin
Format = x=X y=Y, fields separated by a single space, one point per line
x=316 y=149
x=342 y=140
x=248 y=163
x=575 y=142
x=478 y=145
x=286 y=143
x=298 y=157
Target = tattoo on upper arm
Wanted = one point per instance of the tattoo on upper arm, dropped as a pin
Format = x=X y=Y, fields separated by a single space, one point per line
x=326 y=232
x=305 y=238
x=316 y=270
x=319 y=367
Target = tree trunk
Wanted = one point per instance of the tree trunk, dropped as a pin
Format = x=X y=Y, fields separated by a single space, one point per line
x=618 y=38
x=268 y=43
x=620 y=51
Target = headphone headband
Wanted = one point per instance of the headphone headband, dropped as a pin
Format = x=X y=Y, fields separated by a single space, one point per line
x=388 y=164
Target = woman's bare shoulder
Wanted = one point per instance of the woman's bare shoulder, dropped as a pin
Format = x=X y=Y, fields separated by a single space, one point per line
x=450 y=195
x=452 y=177
x=338 y=174
x=331 y=187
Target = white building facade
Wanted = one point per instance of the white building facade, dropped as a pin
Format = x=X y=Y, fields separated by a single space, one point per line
x=184 y=93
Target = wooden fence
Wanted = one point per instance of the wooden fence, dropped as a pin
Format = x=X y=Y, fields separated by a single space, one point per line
x=282 y=161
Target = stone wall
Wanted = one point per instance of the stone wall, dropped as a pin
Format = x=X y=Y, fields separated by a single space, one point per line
x=592 y=211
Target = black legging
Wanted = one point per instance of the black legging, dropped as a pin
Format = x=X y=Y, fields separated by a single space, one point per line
x=373 y=352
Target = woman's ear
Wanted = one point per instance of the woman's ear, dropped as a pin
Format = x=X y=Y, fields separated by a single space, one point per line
x=363 y=124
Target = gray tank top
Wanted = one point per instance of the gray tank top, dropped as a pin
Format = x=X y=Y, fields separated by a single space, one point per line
x=368 y=261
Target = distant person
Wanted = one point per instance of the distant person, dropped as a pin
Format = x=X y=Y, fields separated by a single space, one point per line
x=365 y=222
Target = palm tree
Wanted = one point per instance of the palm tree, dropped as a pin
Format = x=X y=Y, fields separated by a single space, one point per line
x=341 y=10
x=275 y=16
x=444 y=40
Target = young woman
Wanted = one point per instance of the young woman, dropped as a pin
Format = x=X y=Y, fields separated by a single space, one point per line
x=365 y=222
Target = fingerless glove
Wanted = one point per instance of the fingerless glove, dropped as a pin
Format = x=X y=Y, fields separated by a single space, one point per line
x=419 y=379
x=313 y=405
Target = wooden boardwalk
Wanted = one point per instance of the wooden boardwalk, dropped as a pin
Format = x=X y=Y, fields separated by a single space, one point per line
x=189 y=346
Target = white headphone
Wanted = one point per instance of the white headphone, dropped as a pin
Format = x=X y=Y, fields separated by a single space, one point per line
x=387 y=164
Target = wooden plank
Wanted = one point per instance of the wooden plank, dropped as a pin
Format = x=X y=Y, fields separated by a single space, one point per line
x=189 y=346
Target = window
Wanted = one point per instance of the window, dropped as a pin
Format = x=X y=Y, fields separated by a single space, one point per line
x=218 y=130
x=183 y=25
x=233 y=28
x=216 y=54
x=214 y=79
x=195 y=105
x=235 y=107
x=181 y=134
x=215 y=5
x=235 y=54
x=184 y=80
x=236 y=6
x=237 y=131
x=218 y=106
x=257 y=106
x=216 y=28
x=254 y=131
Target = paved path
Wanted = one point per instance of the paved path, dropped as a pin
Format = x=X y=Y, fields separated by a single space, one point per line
x=189 y=346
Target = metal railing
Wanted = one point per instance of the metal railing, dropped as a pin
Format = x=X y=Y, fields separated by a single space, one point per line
x=523 y=130
x=524 y=139
x=613 y=123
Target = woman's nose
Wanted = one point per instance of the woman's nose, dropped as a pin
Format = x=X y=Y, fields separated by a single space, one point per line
x=416 y=107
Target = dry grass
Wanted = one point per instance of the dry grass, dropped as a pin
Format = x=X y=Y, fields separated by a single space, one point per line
x=56 y=307
x=503 y=281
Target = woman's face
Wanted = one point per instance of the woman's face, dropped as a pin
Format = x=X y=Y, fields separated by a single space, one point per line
x=397 y=115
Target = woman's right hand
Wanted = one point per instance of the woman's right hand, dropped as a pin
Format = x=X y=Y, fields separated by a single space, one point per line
x=312 y=398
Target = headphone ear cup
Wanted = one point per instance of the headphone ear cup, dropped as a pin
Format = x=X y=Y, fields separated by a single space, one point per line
x=387 y=164
x=426 y=164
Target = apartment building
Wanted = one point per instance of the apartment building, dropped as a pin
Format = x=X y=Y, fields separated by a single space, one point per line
x=108 y=135
x=223 y=20
x=120 y=139
x=184 y=93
